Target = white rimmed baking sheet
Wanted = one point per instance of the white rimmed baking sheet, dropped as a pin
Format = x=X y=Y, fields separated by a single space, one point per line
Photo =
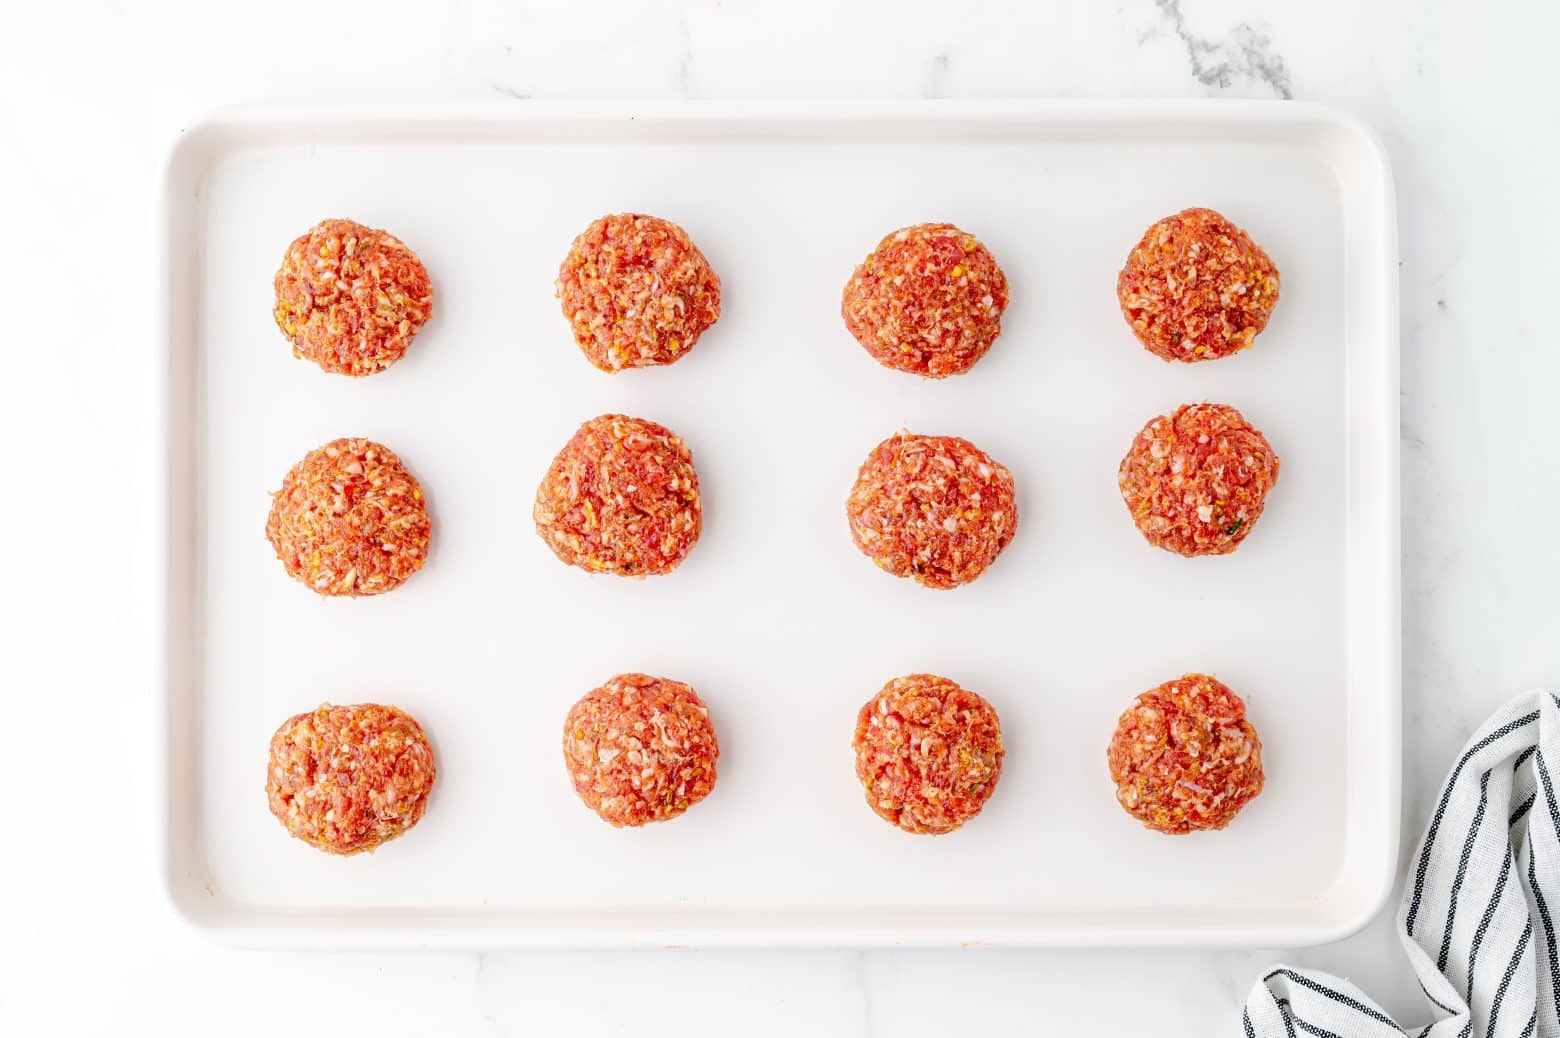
x=775 y=618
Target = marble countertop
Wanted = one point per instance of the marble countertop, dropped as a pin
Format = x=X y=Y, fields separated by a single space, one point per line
x=90 y=94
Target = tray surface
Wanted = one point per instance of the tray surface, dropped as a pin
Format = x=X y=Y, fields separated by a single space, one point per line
x=775 y=618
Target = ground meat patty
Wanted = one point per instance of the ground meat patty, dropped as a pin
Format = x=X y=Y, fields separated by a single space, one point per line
x=640 y=749
x=621 y=497
x=636 y=292
x=350 y=298
x=935 y=508
x=349 y=520
x=1196 y=287
x=348 y=778
x=1184 y=757
x=1196 y=481
x=928 y=299
x=928 y=753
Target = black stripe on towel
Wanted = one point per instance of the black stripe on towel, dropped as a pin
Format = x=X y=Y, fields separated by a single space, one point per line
x=1484 y=923
x=1336 y=996
x=1526 y=805
x=1511 y=969
x=1448 y=1009
x=1462 y=871
x=1538 y=897
x=1440 y=810
x=1311 y=1029
x=1522 y=809
x=1283 y=1011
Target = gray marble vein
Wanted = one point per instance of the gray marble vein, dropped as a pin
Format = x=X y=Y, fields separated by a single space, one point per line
x=1245 y=56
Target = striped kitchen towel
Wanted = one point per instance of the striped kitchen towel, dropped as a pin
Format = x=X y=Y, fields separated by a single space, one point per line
x=1480 y=907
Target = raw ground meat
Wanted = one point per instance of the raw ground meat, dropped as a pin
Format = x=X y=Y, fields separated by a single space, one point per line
x=928 y=300
x=640 y=749
x=1184 y=757
x=348 y=778
x=1196 y=481
x=935 y=508
x=636 y=292
x=928 y=753
x=621 y=497
x=1196 y=287
x=350 y=298
x=349 y=520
